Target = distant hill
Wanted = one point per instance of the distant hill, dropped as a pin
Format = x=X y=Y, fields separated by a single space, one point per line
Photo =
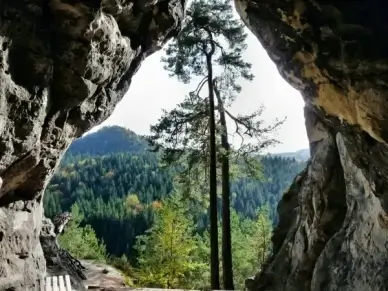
x=115 y=139
x=301 y=155
x=117 y=183
x=108 y=140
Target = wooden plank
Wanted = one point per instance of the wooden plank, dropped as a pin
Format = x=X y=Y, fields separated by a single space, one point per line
x=55 y=283
x=68 y=283
x=48 y=284
x=62 y=284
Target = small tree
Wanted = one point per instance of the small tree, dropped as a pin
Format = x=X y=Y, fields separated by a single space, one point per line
x=167 y=251
x=262 y=240
x=81 y=242
x=133 y=204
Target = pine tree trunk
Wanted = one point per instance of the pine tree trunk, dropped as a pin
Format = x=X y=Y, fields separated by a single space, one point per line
x=214 y=263
x=227 y=265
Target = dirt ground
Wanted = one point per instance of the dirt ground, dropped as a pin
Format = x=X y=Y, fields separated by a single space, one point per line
x=101 y=276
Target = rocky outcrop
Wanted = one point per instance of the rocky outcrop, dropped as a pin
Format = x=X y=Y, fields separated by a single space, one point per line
x=64 y=65
x=333 y=230
x=59 y=262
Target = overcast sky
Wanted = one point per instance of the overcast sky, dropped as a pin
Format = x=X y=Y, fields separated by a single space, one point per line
x=152 y=90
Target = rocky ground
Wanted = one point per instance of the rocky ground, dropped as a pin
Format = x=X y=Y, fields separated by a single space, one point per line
x=101 y=276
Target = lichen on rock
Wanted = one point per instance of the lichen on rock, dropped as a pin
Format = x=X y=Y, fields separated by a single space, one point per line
x=64 y=65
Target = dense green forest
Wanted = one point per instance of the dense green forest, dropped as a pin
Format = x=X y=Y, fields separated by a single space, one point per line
x=172 y=254
x=117 y=184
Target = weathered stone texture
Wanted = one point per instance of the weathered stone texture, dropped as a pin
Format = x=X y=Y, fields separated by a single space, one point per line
x=333 y=230
x=64 y=65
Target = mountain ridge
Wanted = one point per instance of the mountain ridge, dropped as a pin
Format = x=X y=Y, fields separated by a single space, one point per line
x=79 y=145
x=301 y=155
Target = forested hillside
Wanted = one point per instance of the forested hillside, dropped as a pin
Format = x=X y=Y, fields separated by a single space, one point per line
x=117 y=184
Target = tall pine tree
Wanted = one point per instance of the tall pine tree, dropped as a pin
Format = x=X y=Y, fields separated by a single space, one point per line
x=212 y=39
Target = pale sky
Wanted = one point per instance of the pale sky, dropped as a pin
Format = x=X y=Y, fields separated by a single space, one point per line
x=153 y=90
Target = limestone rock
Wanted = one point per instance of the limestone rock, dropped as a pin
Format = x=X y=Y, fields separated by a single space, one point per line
x=333 y=229
x=20 y=256
x=64 y=65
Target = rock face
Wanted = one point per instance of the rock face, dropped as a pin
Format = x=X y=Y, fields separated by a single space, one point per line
x=333 y=230
x=64 y=65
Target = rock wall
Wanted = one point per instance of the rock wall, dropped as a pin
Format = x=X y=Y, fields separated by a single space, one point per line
x=333 y=230
x=64 y=65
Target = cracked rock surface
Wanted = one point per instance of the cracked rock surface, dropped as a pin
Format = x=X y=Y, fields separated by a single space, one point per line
x=64 y=65
x=333 y=230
